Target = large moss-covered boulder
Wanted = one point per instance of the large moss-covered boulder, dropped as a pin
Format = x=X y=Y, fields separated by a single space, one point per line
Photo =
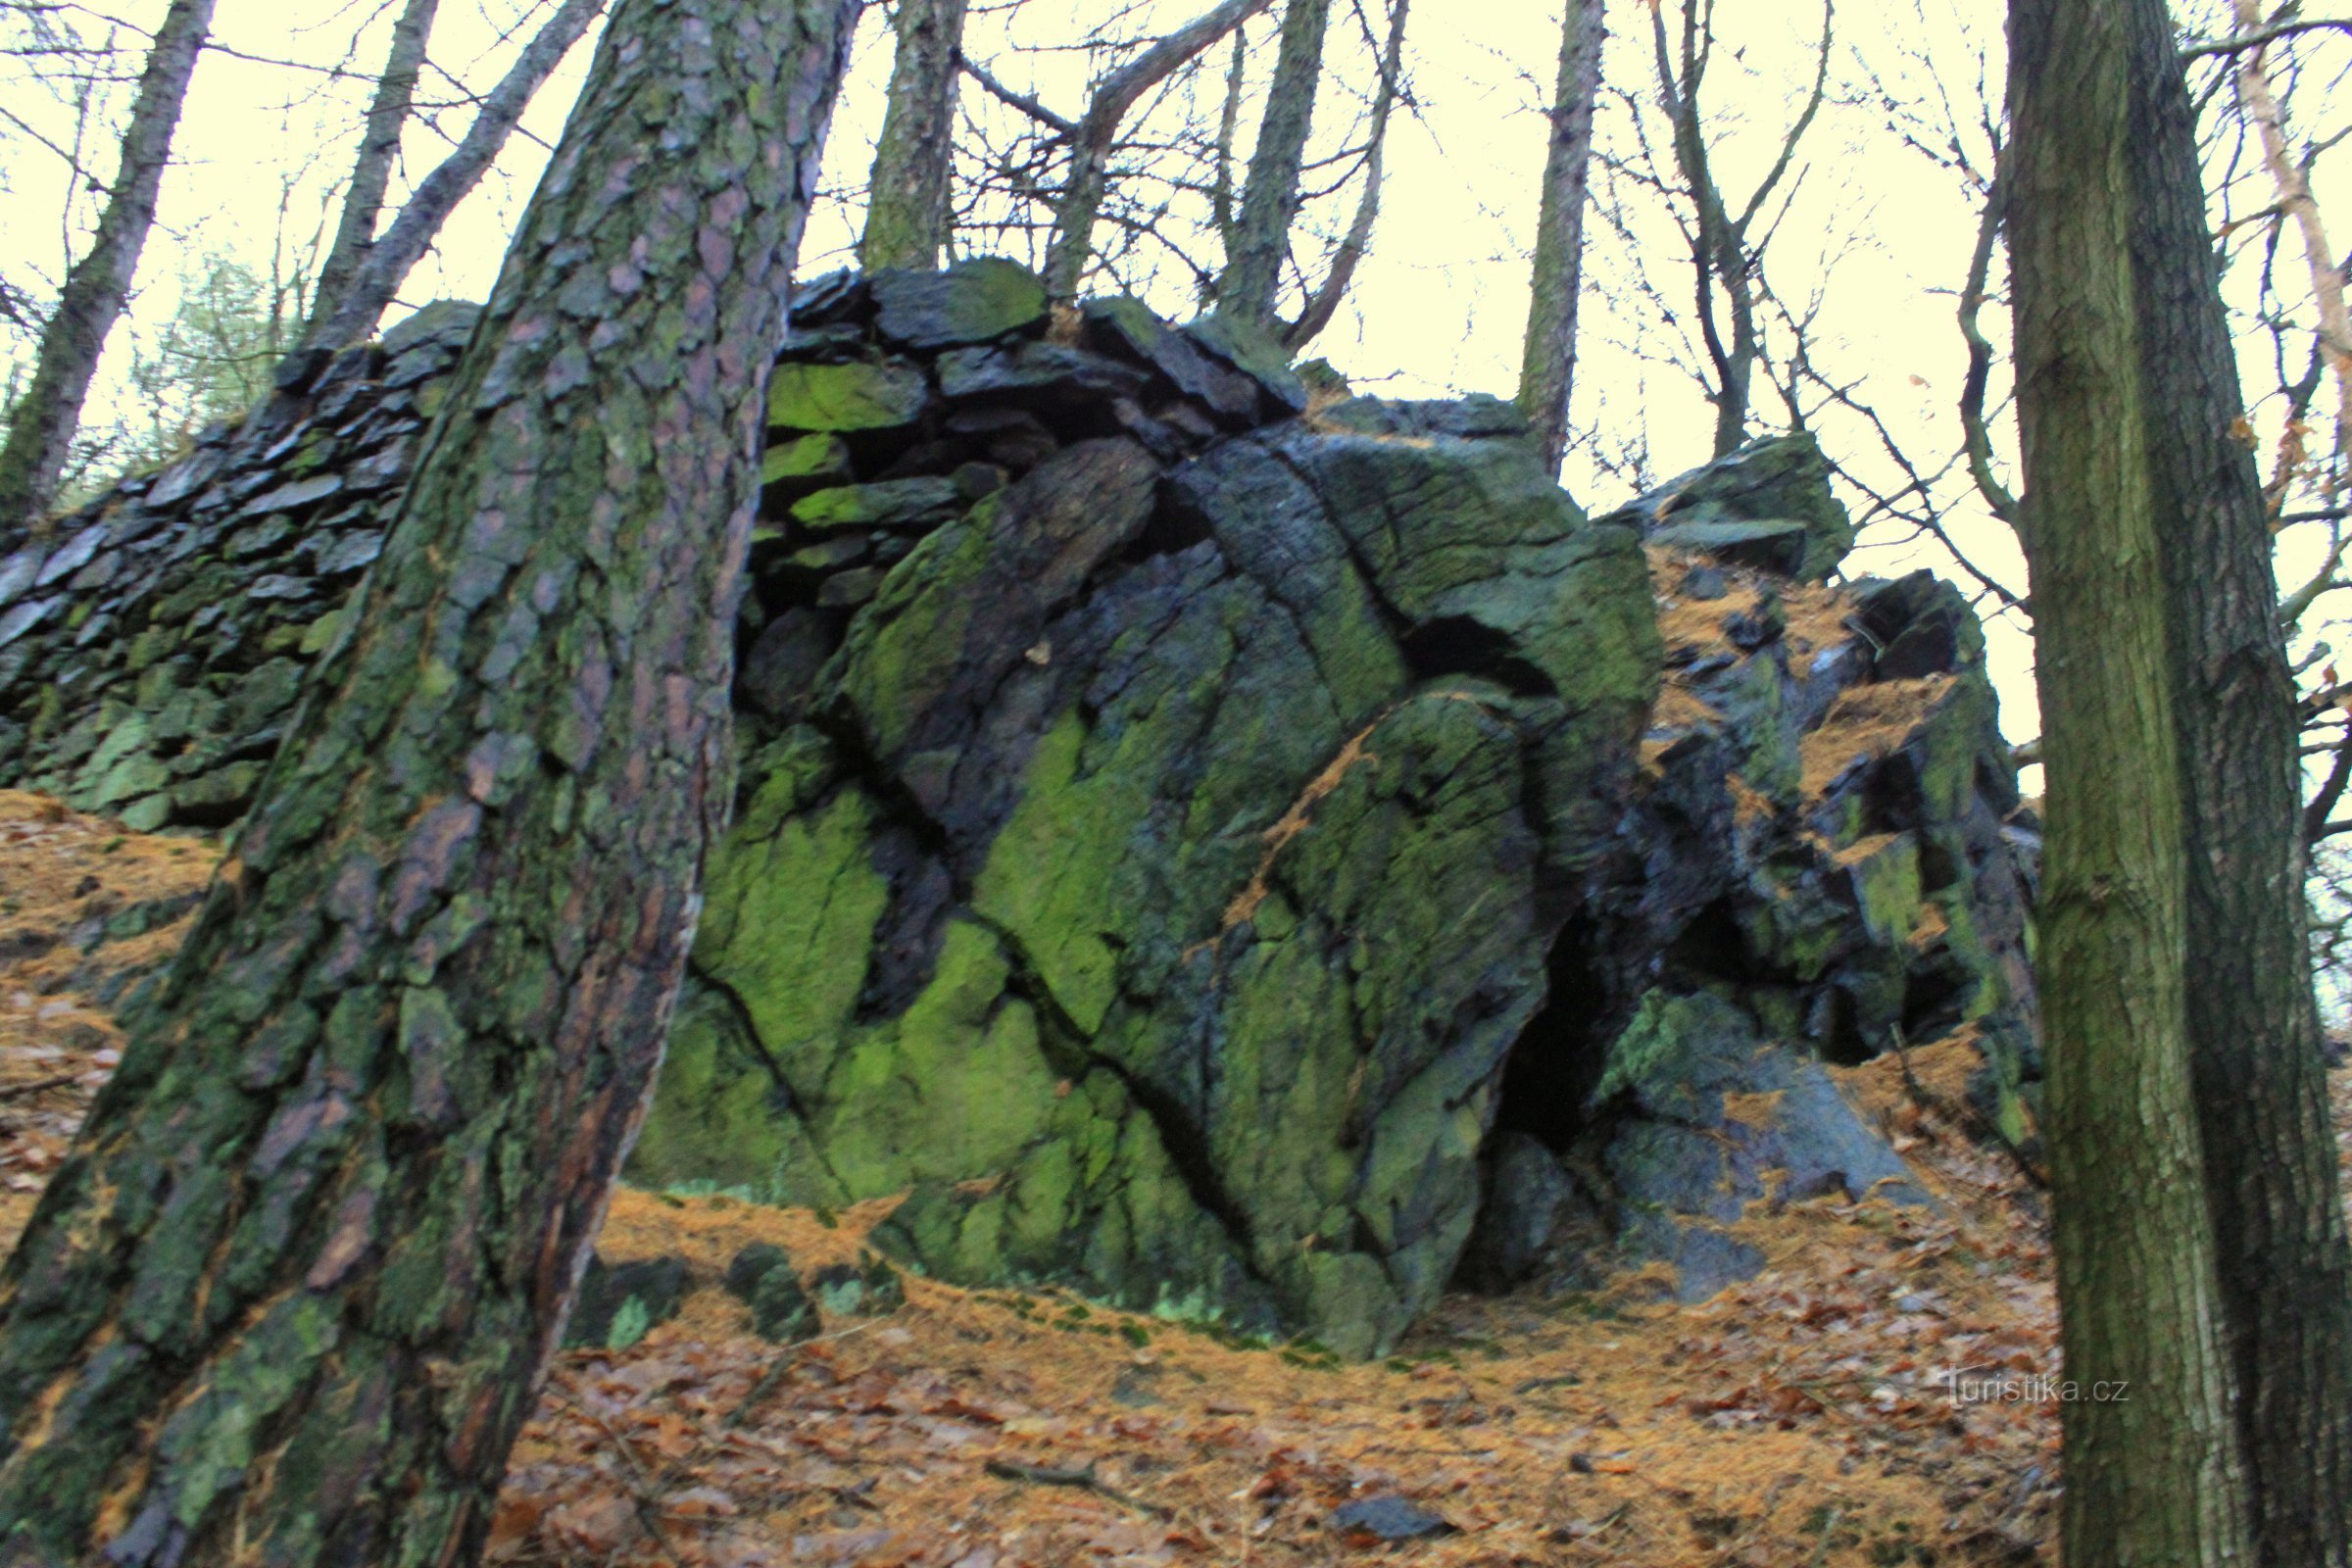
x=1190 y=848
x=1165 y=869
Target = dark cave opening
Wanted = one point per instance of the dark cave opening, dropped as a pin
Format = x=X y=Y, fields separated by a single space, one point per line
x=1460 y=645
x=1557 y=1059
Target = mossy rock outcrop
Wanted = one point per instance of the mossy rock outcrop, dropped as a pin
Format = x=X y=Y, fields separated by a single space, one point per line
x=1163 y=869
x=1177 y=831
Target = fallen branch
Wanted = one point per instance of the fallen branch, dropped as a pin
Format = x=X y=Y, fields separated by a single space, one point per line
x=1081 y=1480
x=18 y=1091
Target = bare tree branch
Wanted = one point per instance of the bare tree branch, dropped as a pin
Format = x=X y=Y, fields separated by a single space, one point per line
x=379 y=146
x=1324 y=303
x=1092 y=139
x=1978 y=439
x=392 y=256
x=2265 y=35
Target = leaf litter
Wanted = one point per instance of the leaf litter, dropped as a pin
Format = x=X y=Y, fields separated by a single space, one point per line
x=1802 y=1417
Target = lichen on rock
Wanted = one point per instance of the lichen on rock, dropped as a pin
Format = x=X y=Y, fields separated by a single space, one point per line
x=1176 y=831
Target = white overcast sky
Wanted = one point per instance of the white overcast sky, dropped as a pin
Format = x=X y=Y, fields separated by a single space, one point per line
x=1438 y=308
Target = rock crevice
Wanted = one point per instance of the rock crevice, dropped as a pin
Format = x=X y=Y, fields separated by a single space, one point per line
x=1178 y=827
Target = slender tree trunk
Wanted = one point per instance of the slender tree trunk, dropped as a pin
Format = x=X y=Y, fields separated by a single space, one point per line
x=389 y=261
x=2152 y=1476
x=1548 y=366
x=907 y=214
x=1720 y=256
x=287 y=1299
x=1072 y=244
x=2296 y=202
x=1718 y=244
x=1252 y=277
x=41 y=433
x=1229 y=124
x=1324 y=301
x=380 y=149
x=2254 y=1028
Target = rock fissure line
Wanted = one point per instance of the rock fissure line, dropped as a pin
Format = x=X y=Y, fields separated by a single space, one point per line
x=1037 y=687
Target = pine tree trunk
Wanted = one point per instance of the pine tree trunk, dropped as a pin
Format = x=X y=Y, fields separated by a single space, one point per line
x=2254 y=1028
x=40 y=436
x=1547 y=368
x=1252 y=277
x=2152 y=1476
x=907 y=214
x=380 y=149
x=289 y=1297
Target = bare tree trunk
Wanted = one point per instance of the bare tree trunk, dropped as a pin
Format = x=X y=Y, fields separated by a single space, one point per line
x=397 y=250
x=1324 y=301
x=1093 y=137
x=1548 y=366
x=2152 y=1467
x=287 y=1299
x=380 y=149
x=41 y=433
x=1721 y=255
x=2296 y=202
x=906 y=214
x=1977 y=438
x=2254 y=1027
x=1252 y=275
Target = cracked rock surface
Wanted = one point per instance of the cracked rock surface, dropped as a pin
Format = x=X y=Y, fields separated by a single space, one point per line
x=1178 y=826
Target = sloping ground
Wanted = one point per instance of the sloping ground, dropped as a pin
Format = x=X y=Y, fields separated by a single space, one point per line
x=86 y=906
x=1797 y=1418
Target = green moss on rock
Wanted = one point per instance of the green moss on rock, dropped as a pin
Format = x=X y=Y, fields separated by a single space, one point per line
x=857 y=396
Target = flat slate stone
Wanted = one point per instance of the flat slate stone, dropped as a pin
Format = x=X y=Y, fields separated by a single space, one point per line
x=890 y=504
x=445 y=323
x=973 y=302
x=1769 y=546
x=1252 y=352
x=71 y=555
x=1389 y=1517
x=845 y=397
x=1037 y=368
x=1129 y=325
x=809 y=460
x=1777 y=482
x=1476 y=418
x=292 y=497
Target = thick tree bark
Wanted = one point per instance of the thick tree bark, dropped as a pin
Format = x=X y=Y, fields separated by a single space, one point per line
x=2152 y=1476
x=287 y=1299
x=1548 y=365
x=380 y=149
x=1093 y=137
x=1261 y=236
x=397 y=250
x=907 y=213
x=42 y=434
x=2261 y=1085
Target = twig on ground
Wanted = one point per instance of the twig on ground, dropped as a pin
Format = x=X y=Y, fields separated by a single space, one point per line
x=1082 y=1480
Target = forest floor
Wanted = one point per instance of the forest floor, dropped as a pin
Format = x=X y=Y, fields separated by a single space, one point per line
x=1807 y=1418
